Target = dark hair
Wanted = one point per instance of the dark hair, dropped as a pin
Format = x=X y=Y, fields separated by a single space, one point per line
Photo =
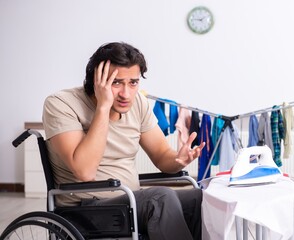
x=120 y=54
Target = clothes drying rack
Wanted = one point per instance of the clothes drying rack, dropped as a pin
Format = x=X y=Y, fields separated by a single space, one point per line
x=227 y=121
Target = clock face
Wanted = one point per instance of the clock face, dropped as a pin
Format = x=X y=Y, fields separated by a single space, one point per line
x=200 y=20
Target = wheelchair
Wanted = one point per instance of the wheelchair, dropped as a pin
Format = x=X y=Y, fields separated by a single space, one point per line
x=117 y=221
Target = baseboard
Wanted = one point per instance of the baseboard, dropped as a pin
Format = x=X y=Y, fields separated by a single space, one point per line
x=11 y=187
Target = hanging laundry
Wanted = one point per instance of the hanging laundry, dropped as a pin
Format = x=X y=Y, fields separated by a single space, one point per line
x=229 y=148
x=183 y=125
x=205 y=136
x=265 y=131
x=173 y=116
x=195 y=127
x=288 y=121
x=253 y=131
x=277 y=127
x=217 y=128
x=159 y=111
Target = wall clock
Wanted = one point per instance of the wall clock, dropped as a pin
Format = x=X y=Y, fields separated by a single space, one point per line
x=200 y=20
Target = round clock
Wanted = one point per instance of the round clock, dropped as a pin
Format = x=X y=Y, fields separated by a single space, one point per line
x=200 y=20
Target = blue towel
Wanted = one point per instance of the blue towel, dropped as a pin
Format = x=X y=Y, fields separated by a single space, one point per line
x=173 y=116
x=159 y=111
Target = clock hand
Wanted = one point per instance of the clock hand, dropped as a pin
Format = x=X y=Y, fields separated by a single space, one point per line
x=199 y=19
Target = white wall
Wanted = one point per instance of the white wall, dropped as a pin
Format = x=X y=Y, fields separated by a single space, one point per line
x=245 y=63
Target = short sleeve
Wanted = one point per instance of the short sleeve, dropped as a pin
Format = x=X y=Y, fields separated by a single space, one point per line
x=59 y=117
x=149 y=120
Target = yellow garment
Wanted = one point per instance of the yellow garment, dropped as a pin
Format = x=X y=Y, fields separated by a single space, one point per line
x=288 y=121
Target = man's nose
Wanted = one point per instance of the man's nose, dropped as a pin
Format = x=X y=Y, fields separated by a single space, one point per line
x=125 y=92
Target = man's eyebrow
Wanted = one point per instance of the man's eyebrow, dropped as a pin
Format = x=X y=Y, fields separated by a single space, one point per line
x=121 y=79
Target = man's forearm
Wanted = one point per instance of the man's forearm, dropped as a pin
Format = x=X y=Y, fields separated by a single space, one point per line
x=167 y=162
x=89 y=152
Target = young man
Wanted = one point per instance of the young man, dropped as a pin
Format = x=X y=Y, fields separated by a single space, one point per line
x=94 y=133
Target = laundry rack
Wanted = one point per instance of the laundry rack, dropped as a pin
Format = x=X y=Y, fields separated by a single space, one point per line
x=227 y=121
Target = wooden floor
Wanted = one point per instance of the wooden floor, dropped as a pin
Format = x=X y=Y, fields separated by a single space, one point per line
x=13 y=205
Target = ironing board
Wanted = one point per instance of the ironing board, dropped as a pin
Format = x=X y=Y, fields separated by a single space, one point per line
x=270 y=207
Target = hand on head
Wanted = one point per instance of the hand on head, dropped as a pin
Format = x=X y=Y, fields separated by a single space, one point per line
x=103 y=80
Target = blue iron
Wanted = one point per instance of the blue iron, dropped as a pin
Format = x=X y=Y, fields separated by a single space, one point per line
x=254 y=165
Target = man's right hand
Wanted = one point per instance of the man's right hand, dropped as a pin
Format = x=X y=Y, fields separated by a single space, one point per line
x=102 y=85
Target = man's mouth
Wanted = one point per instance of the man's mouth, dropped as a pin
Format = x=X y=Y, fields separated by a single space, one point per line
x=123 y=103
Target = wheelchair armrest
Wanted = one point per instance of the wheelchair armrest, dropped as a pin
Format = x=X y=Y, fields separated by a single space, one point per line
x=169 y=179
x=152 y=176
x=90 y=185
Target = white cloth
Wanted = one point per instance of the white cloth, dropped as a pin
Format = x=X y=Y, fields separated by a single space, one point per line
x=271 y=206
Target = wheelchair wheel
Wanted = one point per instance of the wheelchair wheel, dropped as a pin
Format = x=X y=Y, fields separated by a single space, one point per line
x=41 y=225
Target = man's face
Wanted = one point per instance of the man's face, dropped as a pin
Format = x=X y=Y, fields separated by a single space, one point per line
x=124 y=87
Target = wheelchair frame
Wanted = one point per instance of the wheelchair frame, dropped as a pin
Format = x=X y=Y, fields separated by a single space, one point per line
x=70 y=188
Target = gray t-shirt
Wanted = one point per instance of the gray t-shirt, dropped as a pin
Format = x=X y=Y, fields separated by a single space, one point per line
x=71 y=110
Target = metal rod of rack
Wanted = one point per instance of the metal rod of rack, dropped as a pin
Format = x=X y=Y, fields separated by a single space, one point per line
x=182 y=105
x=227 y=120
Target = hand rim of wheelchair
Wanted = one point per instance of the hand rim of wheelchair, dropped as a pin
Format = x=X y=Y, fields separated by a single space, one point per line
x=47 y=220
